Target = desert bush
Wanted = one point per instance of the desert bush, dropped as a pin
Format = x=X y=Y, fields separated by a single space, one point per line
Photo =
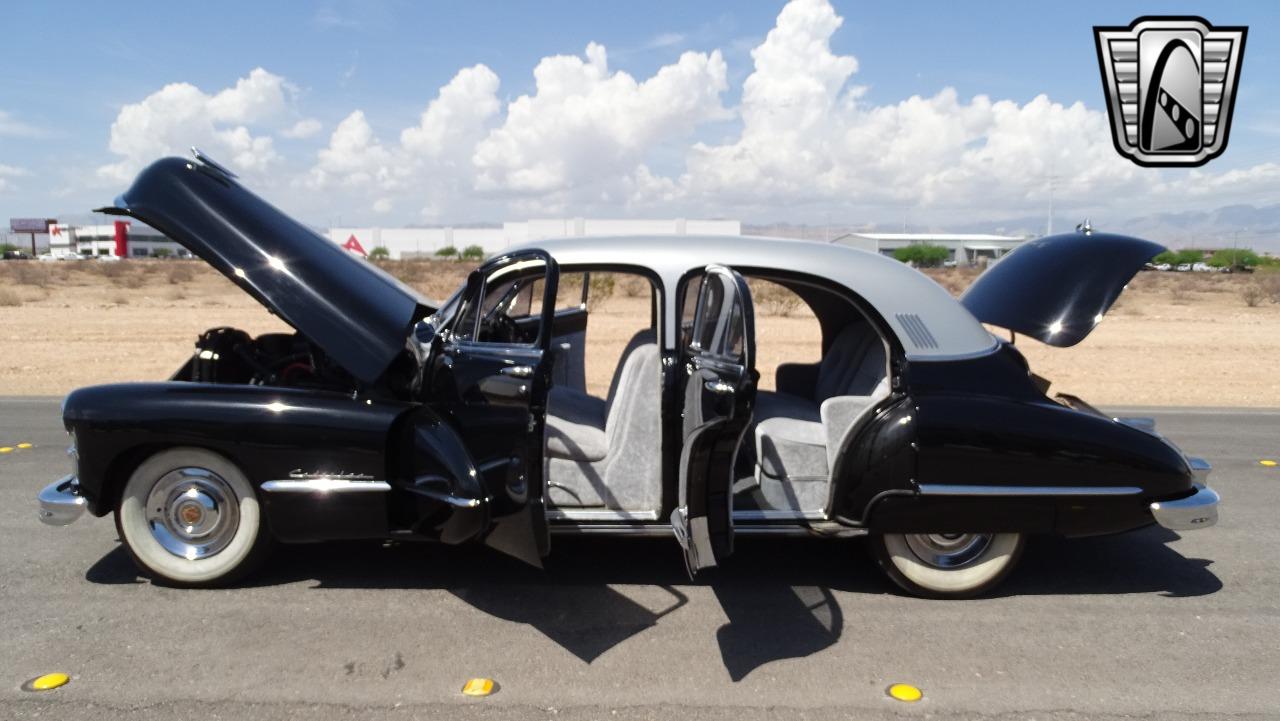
x=32 y=273
x=1179 y=294
x=633 y=286
x=448 y=251
x=181 y=273
x=472 y=252
x=379 y=253
x=176 y=293
x=9 y=299
x=600 y=289
x=161 y=253
x=1270 y=284
x=774 y=299
x=131 y=278
x=120 y=299
x=1253 y=295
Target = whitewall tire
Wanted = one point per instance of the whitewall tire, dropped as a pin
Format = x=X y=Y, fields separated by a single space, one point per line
x=189 y=517
x=955 y=565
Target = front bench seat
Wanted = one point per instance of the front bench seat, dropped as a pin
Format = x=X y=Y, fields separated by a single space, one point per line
x=607 y=452
x=800 y=429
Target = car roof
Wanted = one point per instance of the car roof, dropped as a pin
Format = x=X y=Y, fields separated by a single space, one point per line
x=929 y=322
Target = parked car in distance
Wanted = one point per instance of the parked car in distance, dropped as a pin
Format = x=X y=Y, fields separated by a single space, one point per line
x=15 y=255
x=387 y=416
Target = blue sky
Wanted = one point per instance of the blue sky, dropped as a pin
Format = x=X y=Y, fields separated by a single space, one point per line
x=70 y=69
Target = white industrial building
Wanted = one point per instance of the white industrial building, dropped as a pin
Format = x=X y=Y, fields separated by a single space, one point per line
x=404 y=243
x=966 y=248
x=140 y=241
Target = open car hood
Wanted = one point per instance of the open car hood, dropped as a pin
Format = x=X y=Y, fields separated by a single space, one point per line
x=359 y=315
x=1057 y=289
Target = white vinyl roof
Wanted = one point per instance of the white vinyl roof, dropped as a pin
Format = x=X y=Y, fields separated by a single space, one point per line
x=929 y=322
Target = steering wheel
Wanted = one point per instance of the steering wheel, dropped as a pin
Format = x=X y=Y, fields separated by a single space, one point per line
x=498 y=327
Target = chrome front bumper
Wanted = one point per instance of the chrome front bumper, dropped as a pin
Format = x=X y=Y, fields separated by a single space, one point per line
x=60 y=502
x=1198 y=510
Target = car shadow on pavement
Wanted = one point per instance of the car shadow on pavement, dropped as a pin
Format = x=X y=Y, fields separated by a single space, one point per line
x=778 y=595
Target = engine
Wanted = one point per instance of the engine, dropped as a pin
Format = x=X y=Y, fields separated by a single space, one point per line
x=231 y=356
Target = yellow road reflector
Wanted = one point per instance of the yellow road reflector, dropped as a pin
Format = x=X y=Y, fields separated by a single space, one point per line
x=24 y=446
x=478 y=687
x=905 y=692
x=6 y=449
x=47 y=682
x=1266 y=461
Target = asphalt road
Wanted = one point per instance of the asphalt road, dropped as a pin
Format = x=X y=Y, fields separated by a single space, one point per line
x=1147 y=624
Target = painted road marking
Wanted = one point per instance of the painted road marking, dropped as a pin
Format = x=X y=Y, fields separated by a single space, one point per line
x=905 y=692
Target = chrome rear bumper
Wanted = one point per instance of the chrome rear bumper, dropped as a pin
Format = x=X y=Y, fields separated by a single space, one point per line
x=60 y=502
x=1199 y=510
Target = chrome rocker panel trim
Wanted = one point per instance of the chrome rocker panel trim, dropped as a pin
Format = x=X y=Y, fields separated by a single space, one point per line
x=325 y=485
x=60 y=502
x=1199 y=510
x=946 y=489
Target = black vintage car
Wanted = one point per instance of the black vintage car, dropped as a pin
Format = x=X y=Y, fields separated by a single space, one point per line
x=387 y=416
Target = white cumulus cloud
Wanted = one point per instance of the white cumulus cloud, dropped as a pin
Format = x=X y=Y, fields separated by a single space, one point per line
x=180 y=115
x=585 y=124
x=304 y=128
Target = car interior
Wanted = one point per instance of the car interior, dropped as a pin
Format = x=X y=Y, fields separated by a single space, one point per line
x=603 y=445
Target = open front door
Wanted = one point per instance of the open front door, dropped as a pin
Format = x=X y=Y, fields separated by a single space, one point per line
x=719 y=391
x=490 y=378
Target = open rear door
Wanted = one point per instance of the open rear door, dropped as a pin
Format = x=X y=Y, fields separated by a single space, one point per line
x=719 y=391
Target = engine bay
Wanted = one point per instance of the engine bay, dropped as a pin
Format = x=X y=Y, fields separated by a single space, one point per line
x=228 y=355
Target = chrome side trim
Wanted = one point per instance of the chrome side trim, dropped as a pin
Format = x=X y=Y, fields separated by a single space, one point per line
x=825 y=529
x=325 y=485
x=644 y=530
x=60 y=502
x=776 y=515
x=1199 y=510
x=599 y=514
x=946 y=489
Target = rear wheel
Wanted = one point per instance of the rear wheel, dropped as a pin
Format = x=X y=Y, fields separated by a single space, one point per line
x=189 y=517
x=947 y=565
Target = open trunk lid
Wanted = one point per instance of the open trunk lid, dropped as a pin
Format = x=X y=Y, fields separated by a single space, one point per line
x=1056 y=289
x=359 y=315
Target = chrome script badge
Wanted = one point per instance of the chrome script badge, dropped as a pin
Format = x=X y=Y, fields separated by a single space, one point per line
x=1170 y=84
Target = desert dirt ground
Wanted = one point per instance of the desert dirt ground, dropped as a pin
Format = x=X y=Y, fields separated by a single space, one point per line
x=1173 y=339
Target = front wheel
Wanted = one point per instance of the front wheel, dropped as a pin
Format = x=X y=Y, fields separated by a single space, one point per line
x=189 y=517
x=947 y=565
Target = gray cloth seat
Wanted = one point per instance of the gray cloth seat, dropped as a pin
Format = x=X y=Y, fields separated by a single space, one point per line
x=607 y=452
x=799 y=430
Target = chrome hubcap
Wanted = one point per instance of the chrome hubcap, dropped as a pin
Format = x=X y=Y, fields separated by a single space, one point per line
x=948 y=550
x=192 y=513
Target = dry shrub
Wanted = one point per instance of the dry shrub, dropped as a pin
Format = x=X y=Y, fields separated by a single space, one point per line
x=181 y=272
x=1270 y=284
x=176 y=294
x=32 y=273
x=600 y=289
x=774 y=299
x=633 y=286
x=9 y=299
x=120 y=299
x=1179 y=293
x=1253 y=295
x=133 y=280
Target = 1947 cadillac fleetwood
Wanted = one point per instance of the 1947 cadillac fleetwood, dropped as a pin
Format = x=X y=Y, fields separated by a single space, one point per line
x=385 y=416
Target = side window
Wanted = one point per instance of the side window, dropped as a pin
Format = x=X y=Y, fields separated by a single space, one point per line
x=508 y=311
x=709 y=304
x=569 y=293
x=688 y=310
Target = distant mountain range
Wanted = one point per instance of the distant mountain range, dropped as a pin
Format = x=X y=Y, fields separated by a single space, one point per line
x=1246 y=226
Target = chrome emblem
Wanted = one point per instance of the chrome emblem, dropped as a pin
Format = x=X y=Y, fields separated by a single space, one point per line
x=1170 y=84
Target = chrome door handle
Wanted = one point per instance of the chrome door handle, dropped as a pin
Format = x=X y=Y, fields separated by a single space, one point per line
x=718 y=387
x=517 y=371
